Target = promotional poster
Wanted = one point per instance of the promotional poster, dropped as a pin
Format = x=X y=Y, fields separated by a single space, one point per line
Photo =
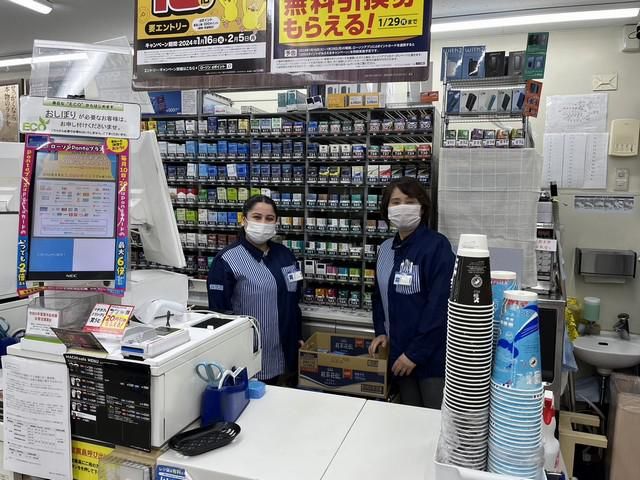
x=73 y=220
x=279 y=43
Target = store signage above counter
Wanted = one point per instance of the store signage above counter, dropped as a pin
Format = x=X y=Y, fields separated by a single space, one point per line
x=87 y=118
x=279 y=43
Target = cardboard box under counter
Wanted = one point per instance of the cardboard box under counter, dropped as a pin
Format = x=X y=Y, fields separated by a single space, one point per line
x=342 y=364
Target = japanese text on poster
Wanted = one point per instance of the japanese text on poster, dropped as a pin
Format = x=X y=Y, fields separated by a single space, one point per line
x=60 y=178
x=85 y=118
x=200 y=37
x=86 y=459
x=316 y=35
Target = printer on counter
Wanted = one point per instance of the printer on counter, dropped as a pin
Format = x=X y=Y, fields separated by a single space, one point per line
x=176 y=390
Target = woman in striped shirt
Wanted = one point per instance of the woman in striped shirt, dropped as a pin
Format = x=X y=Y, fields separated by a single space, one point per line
x=260 y=278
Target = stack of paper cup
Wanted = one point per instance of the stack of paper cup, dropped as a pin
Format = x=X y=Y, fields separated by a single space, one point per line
x=515 y=427
x=500 y=282
x=469 y=356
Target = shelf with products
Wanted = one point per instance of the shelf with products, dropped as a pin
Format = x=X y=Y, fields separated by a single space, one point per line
x=334 y=209
x=335 y=281
x=486 y=102
x=217 y=160
x=280 y=160
x=201 y=204
x=195 y=226
x=339 y=160
x=332 y=303
x=403 y=160
x=332 y=233
x=336 y=257
x=347 y=145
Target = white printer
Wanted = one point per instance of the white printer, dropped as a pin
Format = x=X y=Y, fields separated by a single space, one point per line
x=176 y=390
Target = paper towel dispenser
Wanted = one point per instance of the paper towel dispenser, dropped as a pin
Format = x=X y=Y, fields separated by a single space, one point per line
x=605 y=266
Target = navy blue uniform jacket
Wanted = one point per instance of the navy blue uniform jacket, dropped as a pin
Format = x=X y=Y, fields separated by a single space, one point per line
x=415 y=316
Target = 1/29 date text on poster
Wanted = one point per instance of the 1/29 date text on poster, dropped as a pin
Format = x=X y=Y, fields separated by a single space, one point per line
x=326 y=35
x=200 y=37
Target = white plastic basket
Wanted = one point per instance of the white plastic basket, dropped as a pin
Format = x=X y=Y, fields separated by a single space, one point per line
x=451 y=472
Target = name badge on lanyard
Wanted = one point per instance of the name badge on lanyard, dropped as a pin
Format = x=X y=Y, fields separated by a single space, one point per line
x=404 y=277
x=294 y=276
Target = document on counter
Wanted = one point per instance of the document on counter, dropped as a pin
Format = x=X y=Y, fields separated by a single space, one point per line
x=37 y=432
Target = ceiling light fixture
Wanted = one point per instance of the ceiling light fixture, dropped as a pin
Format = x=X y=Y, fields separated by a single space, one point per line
x=14 y=62
x=543 y=18
x=43 y=7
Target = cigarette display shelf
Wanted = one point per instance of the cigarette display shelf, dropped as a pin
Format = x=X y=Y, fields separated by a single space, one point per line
x=333 y=281
x=334 y=209
x=200 y=204
x=335 y=257
x=359 y=289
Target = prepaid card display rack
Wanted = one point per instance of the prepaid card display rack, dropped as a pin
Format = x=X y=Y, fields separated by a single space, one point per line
x=325 y=169
x=477 y=105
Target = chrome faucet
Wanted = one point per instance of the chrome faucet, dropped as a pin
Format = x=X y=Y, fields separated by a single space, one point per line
x=621 y=327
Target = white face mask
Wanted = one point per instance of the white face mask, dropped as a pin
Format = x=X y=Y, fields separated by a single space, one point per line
x=260 y=233
x=405 y=217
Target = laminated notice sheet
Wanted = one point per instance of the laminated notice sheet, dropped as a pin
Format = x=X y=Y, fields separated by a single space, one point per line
x=37 y=431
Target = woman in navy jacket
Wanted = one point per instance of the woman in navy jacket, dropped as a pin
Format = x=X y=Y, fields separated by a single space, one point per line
x=260 y=278
x=413 y=278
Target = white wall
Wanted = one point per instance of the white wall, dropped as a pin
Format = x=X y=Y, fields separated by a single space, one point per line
x=573 y=57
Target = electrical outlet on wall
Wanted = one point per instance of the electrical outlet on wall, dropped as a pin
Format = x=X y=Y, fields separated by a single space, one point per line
x=622 y=180
x=602 y=82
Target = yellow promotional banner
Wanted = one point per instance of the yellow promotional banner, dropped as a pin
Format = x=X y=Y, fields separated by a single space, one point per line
x=341 y=21
x=85 y=459
x=200 y=37
x=334 y=35
x=279 y=43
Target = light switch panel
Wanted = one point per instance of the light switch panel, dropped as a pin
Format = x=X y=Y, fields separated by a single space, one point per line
x=622 y=180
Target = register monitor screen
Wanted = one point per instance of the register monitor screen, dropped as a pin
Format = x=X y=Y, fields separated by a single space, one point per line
x=73 y=216
x=151 y=212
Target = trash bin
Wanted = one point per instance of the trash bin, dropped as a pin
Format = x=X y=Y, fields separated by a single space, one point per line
x=624 y=424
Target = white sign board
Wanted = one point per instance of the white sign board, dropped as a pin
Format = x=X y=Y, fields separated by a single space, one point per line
x=37 y=428
x=79 y=118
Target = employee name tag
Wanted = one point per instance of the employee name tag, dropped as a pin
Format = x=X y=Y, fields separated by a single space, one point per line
x=295 y=276
x=403 y=279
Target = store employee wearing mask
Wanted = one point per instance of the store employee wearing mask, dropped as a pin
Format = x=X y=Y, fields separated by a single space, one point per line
x=413 y=275
x=260 y=278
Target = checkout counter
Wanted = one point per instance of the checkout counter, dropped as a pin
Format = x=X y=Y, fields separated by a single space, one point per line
x=296 y=434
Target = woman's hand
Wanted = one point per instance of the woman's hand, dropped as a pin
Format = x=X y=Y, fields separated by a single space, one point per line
x=380 y=340
x=403 y=367
x=300 y=343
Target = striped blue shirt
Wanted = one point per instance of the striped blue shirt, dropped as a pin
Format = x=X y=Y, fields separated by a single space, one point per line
x=243 y=280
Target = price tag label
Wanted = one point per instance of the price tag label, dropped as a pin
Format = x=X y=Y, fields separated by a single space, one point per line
x=546 y=245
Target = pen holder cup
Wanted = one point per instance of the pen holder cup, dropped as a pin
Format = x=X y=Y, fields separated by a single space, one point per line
x=225 y=403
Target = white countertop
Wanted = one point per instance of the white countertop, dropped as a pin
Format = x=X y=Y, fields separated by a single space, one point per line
x=388 y=441
x=287 y=434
